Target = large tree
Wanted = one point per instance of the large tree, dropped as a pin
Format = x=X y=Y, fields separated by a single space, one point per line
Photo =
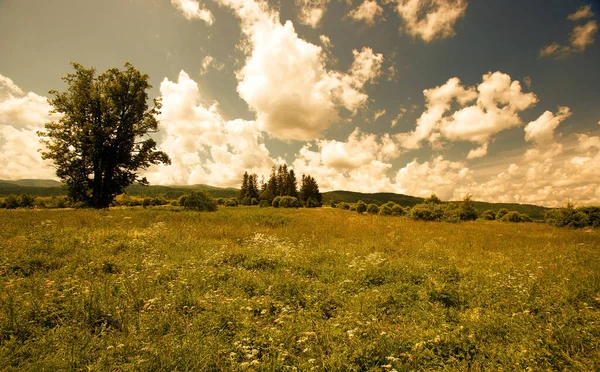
x=102 y=137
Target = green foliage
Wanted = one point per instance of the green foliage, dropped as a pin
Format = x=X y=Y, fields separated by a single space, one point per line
x=488 y=215
x=466 y=209
x=360 y=207
x=309 y=194
x=264 y=204
x=288 y=202
x=433 y=199
x=231 y=202
x=372 y=209
x=387 y=209
x=200 y=201
x=343 y=205
x=569 y=216
x=26 y=201
x=428 y=212
x=275 y=203
x=515 y=216
x=501 y=213
x=397 y=210
x=593 y=215
x=96 y=144
x=11 y=202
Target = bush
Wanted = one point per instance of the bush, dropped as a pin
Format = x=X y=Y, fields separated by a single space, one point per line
x=567 y=216
x=433 y=199
x=146 y=202
x=593 y=215
x=276 y=201
x=515 y=216
x=182 y=199
x=288 y=202
x=200 y=201
x=26 y=201
x=343 y=205
x=11 y=202
x=264 y=203
x=501 y=213
x=488 y=215
x=231 y=202
x=372 y=209
x=397 y=210
x=466 y=209
x=352 y=207
x=386 y=209
x=361 y=207
x=427 y=212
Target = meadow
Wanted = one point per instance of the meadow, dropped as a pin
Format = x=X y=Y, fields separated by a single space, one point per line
x=250 y=288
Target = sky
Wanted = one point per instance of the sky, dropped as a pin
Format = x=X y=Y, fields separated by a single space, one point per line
x=498 y=99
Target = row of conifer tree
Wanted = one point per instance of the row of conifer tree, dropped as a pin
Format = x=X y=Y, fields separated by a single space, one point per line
x=281 y=183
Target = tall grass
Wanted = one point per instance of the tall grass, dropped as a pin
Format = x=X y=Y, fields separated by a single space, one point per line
x=275 y=289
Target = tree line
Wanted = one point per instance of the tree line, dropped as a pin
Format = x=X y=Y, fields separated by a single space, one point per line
x=281 y=189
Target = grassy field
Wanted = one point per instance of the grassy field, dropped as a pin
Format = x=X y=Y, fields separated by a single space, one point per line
x=285 y=290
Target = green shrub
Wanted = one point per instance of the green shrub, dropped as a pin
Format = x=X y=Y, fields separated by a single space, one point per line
x=386 y=209
x=146 y=202
x=397 y=210
x=200 y=201
x=515 y=216
x=427 y=212
x=264 y=203
x=593 y=215
x=26 y=201
x=433 y=199
x=288 y=202
x=372 y=209
x=276 y=201
x=231 y=202
x=182 y=199
x=352 y=207
x=361 y=207
x=488 y=215
x=343 y=205
x=567 y=216
x=501 y=213
x=466 y=210
x=11 y=202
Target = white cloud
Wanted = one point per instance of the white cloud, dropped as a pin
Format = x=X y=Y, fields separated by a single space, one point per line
x=430 y=19
x=203 y=146
x=582 y=36
x=285 y=80
x=310 y=12
x=378 y=114
x=21 y=116
x=479 y=152
x=191 y=9
x=498 y=103
x=583 y=12
x=542 y=129
x=367 y=12
x=209 y=62
x=446 y=179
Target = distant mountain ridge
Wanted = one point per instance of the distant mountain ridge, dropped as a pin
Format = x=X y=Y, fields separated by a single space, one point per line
x=43 y=187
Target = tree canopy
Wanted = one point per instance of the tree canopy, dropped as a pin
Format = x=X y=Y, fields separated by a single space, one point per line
x=102 y=137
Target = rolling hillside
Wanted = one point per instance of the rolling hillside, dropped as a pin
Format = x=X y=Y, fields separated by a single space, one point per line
x=54 y=188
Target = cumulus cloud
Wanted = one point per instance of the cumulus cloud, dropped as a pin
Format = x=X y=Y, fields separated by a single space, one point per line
x=310 y=12
x=367 y=12
x=583 y=12
x=581 y=37
x=498 y=101
x=21 y=116
x=430 y=19
x=542 y=129
x=285 y=80
x=191 y=9
x=203 y=146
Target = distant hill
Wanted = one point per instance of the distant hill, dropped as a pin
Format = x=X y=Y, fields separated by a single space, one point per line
x=533 y=211
x=377 y=198
x=54 y=188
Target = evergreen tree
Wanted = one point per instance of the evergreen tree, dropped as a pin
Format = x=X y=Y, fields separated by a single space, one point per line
x=244 y=189
x=309 y=192
x=292 y=187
